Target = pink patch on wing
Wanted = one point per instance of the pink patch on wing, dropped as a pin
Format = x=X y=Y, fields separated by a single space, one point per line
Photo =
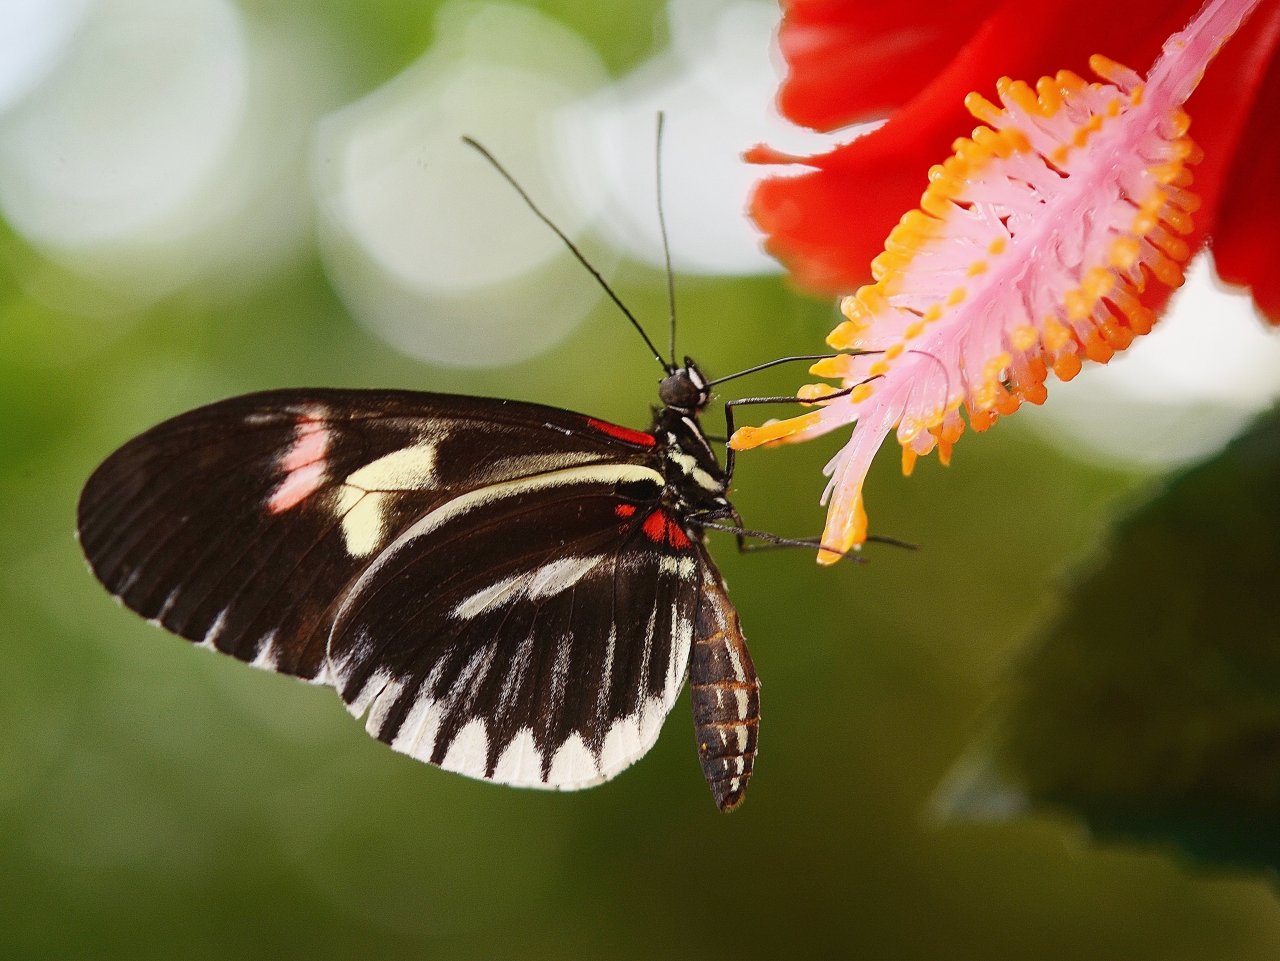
x=303 y=465
x=296 y=487
x=309 y=445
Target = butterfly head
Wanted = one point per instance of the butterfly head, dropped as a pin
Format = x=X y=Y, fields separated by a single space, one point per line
x=685 y=388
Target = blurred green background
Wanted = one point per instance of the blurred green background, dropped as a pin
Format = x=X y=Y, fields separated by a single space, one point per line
x=157 y=801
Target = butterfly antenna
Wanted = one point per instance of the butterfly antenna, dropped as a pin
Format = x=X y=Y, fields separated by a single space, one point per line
x=789 y=360
x=666 y=247
x=572 y=248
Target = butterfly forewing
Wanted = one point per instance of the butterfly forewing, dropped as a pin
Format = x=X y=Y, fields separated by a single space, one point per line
x=239 y=524
x=493 y=582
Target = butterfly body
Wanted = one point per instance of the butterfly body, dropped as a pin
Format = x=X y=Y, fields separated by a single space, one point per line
x=506 y=590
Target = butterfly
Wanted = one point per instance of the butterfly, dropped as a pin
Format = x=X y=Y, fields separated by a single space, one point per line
x=506 y=590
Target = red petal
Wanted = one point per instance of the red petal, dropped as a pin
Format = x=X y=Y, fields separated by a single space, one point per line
x=849 y=61
x=1248 y=224
x=827 y=225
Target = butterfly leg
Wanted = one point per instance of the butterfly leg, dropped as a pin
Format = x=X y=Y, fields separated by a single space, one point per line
x=773 y=541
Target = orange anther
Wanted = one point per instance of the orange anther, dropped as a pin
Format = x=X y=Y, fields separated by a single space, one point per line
x=831 y=366
x=745 y=438
x=1097 y=349
x=1035 y=393
x=1066 y=366
x=846 y=335
x=908 y=461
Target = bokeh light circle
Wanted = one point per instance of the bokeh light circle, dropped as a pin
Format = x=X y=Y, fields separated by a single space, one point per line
x=422 y=238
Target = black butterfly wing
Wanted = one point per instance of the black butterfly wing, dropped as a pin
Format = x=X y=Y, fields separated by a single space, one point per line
x=492 y=581
x=535 y=633
x=239 y=525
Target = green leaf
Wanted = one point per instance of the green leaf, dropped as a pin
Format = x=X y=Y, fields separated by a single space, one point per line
x=1150 y=704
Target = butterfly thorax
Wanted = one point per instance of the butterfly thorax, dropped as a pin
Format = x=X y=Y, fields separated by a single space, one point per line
x=695 y=481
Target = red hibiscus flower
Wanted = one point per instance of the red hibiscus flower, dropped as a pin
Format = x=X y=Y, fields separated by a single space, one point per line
x=852 y=61
x=1049 y=238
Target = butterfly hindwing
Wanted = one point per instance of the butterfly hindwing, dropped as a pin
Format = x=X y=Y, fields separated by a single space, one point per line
x=547 y=651
x=239 y=525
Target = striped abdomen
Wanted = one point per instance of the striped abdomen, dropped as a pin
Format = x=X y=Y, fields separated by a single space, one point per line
x=726 y=696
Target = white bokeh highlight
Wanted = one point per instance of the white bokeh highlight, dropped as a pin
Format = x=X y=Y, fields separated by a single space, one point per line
x=34 y=35
x=163 y=145
x=427 y=245
x=716 y=84
x=140 y=112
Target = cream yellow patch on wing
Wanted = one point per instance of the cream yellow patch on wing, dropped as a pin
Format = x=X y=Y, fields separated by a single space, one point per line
x=363 y=516
x=364 y=500
x=410 y=468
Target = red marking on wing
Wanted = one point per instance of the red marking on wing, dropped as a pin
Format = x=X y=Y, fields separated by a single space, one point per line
x=622 y=433
x=676 y=536
x=625 y=510
x=655 y=527
x=659 y=527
